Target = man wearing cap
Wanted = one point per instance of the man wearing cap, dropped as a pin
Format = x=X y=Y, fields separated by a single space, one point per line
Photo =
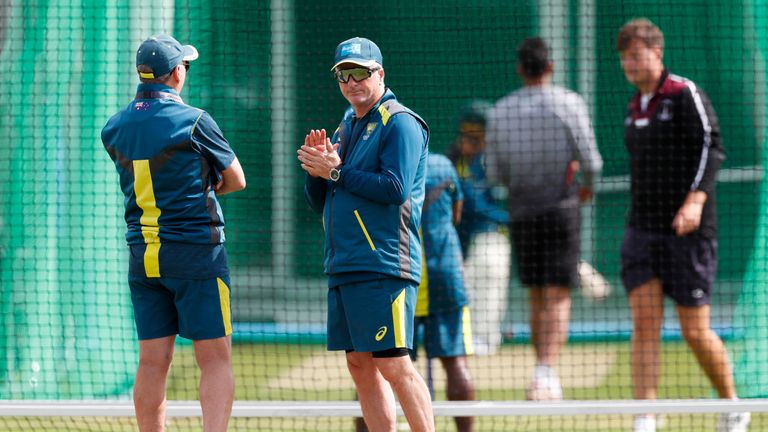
x=538 y=138
x=484 y=244
x=368 y=181
x=173 y=162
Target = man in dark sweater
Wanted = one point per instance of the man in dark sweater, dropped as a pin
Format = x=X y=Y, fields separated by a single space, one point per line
x=670 y=245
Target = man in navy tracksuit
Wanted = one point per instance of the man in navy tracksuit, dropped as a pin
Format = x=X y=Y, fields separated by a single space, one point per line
x=174 y=163
x=368 y=181
x=670 y=246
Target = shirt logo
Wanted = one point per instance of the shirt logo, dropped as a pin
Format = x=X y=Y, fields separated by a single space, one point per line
x=141 y=106
x=666 y=110
x=350 y=49
x=641 y=122
x=381 y=333
x=371 y=128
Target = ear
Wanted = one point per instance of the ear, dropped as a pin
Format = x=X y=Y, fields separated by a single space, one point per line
x=659 y=53
x=176 y=79
x=519 y=69
x=176 y=72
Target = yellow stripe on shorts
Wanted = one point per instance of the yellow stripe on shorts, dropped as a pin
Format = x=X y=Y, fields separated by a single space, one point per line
x=226 y=314
x=398 y=319
x=466 y=329
x=150 y=229
x=422 y=296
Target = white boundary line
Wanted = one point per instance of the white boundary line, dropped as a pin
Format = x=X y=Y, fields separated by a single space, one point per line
x=352 y=409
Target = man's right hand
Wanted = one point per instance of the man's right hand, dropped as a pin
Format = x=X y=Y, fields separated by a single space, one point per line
x=318 y=155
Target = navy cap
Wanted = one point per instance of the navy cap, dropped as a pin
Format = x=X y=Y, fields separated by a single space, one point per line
x=162 y=53
x=475 y=111
x=359 y=51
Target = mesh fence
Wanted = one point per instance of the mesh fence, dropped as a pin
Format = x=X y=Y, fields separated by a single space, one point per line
x=67 y=330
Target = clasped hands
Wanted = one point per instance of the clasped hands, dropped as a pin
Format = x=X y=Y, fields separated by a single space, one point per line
x=318 y=155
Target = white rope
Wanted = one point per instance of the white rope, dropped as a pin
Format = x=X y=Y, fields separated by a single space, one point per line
x=352 y=409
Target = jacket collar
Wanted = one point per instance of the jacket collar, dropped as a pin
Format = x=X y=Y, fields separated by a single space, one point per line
x=157 y=91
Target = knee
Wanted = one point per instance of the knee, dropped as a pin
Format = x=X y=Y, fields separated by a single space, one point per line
x=360 y=368
x=694 y=335
x=459 y=381
x=158 y=361
x=396 y=372
x=212 y=353
x=460 y=387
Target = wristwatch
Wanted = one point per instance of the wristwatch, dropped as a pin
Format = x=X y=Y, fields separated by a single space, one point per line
x=334 y=174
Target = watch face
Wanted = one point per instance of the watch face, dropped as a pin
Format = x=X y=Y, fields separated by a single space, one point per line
x=334 y=174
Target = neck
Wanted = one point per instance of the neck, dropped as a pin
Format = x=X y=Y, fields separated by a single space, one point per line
x=361 y=110
x=177 y=86
x=536 y=82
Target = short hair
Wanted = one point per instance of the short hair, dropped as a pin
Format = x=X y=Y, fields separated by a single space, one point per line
x=641 y=29
x=533 y=57
x=157 y=80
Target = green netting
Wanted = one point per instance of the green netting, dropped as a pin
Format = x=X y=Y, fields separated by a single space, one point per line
x=67 y=319
x=66 y=325
x=751 y=316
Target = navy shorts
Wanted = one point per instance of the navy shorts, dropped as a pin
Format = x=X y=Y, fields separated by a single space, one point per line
x=192 y=308
x=685 y=265
x=547 y=248
x=445 y=334
x=371 y=316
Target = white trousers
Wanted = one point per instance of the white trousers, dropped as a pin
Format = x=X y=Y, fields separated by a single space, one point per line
x=486 y=272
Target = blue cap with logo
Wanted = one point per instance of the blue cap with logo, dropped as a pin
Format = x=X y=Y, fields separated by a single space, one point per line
x=359 y=51
x=162 y=53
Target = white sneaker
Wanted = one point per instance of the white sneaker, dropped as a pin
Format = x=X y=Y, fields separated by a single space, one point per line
x=545 y=385
x=644 y=423
x=733 y=422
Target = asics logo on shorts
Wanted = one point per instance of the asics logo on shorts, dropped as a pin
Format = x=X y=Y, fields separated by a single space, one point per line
x=381 y=333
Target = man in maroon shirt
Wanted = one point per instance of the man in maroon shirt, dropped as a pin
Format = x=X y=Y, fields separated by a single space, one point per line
x=670 y=245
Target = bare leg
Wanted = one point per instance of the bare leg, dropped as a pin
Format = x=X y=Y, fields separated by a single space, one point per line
x=411 y=390
x=217 y=383
x=149 y=389
x=460 y=387
x=647 y=303
x=550 y=315
x=708 y=348
x=376 y=398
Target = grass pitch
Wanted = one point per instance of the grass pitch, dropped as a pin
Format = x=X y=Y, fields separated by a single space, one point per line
x=307 y=372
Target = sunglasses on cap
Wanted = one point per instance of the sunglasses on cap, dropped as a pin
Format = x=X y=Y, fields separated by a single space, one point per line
x=357 y=74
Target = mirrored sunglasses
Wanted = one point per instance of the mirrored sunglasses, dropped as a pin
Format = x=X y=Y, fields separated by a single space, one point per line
x=357 y=74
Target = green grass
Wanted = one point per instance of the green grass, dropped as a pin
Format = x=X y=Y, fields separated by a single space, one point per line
x=257 y=367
